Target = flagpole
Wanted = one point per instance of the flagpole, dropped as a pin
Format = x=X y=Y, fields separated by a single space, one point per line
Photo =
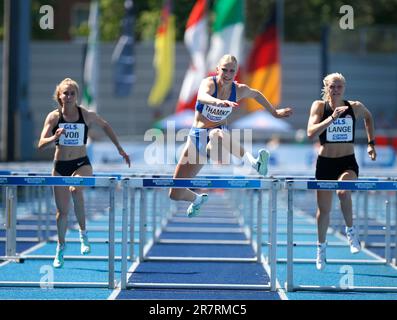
x=280 y=33
x=243 y=51
x=280 y=19
x=91 y=65
x=123 y=59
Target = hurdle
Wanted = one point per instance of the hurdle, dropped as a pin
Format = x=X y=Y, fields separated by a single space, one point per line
x=364 y=221
x=12 y=182
x=37 y=200
x=140 y=186
x=362 y=185
x=39 y=205
x=153 y=196
x=371 y=218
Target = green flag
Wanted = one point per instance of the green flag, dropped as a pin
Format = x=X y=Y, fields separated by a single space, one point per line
x=228 y=32
x=89 y=99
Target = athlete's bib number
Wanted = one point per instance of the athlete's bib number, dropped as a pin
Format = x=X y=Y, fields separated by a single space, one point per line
x=216 y=114
x=341 y=130
x=73 y=134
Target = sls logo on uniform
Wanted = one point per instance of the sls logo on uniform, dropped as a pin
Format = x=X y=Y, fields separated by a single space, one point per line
x=341 y=130
x=73 y=134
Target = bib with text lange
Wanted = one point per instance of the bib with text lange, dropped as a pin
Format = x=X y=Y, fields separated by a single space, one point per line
x=341 y=130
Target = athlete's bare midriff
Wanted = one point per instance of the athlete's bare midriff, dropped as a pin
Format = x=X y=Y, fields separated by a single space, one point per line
x=202 y=122
x=336 y=150
x=65 y=153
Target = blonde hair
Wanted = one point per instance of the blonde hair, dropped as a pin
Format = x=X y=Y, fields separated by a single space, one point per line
x=66 y=81
x=327 y=80
x=227 y=58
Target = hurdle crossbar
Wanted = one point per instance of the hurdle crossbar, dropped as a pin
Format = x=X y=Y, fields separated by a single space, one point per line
x=361 y=185
x=209 y=286
x=224 y=183
x=11 y=182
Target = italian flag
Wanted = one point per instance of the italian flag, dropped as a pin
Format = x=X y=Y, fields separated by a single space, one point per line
x=196 y=41
x=228 y=32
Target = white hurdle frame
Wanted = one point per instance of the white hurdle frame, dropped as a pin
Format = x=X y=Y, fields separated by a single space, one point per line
x=361 y=222
x=140 y=184
x=333 y=185
x=11 y=183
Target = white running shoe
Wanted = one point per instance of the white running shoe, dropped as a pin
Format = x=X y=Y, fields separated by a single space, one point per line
x=85 y=245
x=262 y=162
x=58 y=260
x=194 y=209
x=321 y=259
x=352 y=237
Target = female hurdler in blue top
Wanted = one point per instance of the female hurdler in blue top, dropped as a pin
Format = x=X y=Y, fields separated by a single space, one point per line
x=217 y=96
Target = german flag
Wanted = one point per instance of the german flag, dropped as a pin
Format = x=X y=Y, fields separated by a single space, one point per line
x=263 y=70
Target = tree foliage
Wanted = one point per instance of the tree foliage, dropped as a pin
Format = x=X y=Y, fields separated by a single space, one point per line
x=303 y=19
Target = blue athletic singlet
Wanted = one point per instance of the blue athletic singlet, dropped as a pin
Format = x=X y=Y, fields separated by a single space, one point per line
x=215 y=113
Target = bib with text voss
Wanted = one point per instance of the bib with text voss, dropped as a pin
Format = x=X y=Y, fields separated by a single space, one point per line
x=73 y=134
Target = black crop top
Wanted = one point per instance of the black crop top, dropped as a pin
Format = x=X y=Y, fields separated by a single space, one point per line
x=342 y=129
x=75 y=132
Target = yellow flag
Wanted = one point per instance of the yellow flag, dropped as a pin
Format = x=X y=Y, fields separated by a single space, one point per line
x=164 y=57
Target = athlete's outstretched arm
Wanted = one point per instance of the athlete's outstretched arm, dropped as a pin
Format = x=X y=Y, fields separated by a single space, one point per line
x=369 y=127
x=244 y=91
x=102 y=123
x=206 y=89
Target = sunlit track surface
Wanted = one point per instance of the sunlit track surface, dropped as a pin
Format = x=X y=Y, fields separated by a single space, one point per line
x=217 y=216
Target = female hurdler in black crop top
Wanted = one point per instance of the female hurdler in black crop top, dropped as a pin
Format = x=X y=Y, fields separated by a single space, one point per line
x=75 y=132
x=342 y=129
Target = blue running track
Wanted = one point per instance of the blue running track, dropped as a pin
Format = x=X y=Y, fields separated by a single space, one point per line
x=216 y=214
